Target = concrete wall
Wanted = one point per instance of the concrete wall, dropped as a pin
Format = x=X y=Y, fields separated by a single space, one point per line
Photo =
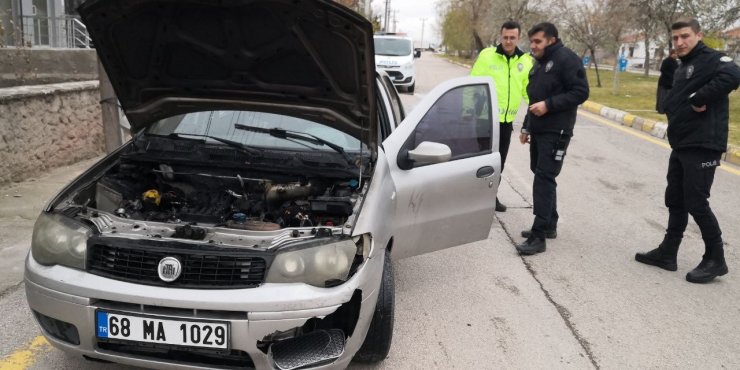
x=35 y=66
x=47 y=126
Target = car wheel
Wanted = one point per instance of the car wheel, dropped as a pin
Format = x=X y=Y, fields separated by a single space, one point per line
x=380 y=334
x=410 y=89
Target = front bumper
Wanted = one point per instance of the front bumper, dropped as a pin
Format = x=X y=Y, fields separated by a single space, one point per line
x=73 y=296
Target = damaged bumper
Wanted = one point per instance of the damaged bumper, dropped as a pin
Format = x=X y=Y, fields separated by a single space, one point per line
x=274 y=326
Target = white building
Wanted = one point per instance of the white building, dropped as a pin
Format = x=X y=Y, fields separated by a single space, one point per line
x=42 y=23
x=633 y=49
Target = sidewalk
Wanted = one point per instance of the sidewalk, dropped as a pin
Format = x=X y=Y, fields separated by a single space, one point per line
x=654 y=128
x=20 y=205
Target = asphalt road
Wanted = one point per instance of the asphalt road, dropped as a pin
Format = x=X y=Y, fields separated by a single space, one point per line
x=584 y=303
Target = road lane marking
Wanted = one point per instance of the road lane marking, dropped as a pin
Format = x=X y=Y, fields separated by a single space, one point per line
x=24 y=358
x=644 y=136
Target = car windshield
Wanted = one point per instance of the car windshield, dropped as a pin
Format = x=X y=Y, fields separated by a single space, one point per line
x=225 y=125
x=392 y=47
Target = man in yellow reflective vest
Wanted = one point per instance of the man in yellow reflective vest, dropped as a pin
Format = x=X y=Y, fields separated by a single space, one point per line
x=509 y=67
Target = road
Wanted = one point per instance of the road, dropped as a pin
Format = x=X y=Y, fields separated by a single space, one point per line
x=583 y=304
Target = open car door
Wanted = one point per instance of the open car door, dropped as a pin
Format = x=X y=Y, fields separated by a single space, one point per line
x=445 y=166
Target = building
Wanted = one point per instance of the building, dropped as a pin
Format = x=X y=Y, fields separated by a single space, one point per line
x=42 y=23
x=632 y=48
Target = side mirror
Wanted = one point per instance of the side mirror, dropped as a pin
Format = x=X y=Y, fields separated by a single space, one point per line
x=428 y=152
x=417 y=53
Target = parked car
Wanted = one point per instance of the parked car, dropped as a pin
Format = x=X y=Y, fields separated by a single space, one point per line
x=272 y=177
x=395 y=54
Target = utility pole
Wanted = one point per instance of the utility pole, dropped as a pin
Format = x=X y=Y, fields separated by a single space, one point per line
x=387 y=15
x=395 y=20
x=421 y=43
x=109 y=112
x=368 y=9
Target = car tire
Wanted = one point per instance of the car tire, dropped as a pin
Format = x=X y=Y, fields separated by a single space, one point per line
x=380 y=334
x=410 y=89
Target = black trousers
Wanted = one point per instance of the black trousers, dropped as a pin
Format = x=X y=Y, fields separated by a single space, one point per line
x=690 y=177
x=504 y=141
x=542 y=162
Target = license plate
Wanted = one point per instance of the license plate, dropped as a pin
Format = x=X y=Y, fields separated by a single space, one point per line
x=208 y=334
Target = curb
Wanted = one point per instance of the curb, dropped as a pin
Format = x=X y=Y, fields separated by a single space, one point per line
x=654 y=128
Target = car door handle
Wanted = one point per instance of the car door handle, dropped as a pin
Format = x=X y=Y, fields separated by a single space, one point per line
x=484 y=172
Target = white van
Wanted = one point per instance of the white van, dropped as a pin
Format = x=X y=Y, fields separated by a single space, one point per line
x=395 y=55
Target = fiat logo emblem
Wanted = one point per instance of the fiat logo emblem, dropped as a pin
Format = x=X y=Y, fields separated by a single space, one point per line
x=169 y=269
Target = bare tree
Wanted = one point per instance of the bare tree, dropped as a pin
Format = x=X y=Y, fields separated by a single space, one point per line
x=584 y=22
x=714 y=15
x=526 y=12
x=620 y=16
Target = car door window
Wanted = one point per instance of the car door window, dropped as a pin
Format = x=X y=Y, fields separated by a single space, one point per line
x=460 y=119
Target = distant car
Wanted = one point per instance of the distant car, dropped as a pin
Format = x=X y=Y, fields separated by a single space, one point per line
x=395 y=54
x=272 y=176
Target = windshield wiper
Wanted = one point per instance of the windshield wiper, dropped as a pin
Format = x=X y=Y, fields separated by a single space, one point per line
x=231 y=143
x=287 y=134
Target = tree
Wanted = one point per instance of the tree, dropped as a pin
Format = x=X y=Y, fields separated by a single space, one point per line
x=482 y=18
x=455 y=28
x=476 y=14
x=714 y=15
x=620 y=17
x=584 y=22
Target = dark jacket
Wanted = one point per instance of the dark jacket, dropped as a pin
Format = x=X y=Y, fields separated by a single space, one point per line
x=558 y=79
x=667 y=69
x=705 y=77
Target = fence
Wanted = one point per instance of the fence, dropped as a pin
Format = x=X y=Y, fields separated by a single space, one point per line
x=56 y=32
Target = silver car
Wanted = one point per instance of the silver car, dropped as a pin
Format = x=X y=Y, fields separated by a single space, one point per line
x=272 y=176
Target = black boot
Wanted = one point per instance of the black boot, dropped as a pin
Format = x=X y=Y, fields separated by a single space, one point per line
x=664 y=256
x=532 y=245
x=712 y=265
x=552 y=234
x=499 y=206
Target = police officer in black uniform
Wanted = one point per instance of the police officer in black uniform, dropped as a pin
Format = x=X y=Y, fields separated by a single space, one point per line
x=557 y=85
x=698 y=110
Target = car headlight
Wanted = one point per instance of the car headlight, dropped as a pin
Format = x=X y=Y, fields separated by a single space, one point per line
x=318 y=265
x=59 y=240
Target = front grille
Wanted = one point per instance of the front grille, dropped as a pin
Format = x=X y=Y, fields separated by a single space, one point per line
x=217 y=359
x=395 y=74
x=210 y=268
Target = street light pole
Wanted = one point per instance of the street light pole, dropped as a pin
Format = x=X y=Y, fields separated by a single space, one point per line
x=423 y=21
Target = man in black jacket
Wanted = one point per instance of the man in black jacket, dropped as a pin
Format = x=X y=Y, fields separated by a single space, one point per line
x=698 y=111
x=557 y=85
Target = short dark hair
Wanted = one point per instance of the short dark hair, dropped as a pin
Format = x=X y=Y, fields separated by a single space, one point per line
x=548 y=28
x=511 y=25
x=687 y=22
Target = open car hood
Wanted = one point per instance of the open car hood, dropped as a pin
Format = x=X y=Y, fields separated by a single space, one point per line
x=307 y=58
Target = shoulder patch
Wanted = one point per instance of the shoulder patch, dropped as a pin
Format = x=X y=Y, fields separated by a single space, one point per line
x=725 y=59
